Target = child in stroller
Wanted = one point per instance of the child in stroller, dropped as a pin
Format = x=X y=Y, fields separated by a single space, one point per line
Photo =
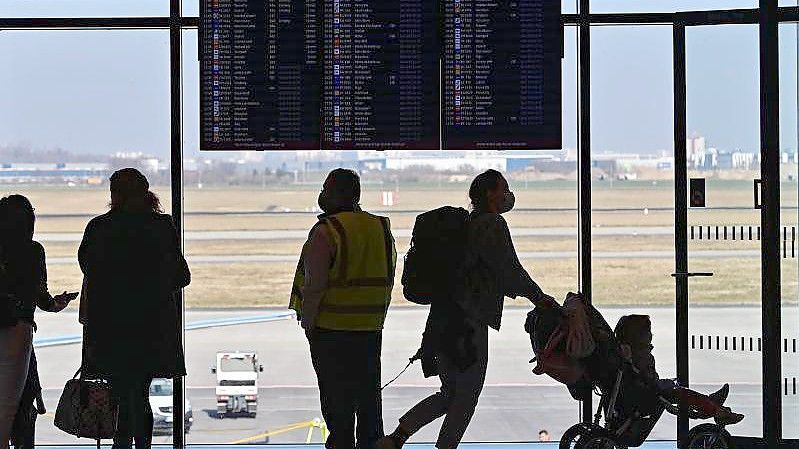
x=618 y=365
x=634 y=334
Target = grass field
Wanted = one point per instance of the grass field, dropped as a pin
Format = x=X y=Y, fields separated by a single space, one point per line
x=632 y=280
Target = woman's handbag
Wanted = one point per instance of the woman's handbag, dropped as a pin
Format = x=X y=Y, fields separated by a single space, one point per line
x=87 y=408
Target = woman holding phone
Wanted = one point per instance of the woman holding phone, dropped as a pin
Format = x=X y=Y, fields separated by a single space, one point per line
x=23 y=288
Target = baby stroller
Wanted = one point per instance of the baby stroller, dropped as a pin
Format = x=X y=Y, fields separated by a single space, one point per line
x=627 y=403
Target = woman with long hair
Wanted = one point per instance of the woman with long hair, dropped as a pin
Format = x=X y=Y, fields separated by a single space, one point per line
x=133 y=268
x=23 y=288
x=493 y=271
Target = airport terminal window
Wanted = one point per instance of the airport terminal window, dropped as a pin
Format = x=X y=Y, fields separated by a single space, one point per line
x=724 y=146
x=191 y=8
x=789 y=215
x=84 y=104
x=246 y=217
x=633 y=6
x=247 y=213
x=633 y=183
x=84 y=8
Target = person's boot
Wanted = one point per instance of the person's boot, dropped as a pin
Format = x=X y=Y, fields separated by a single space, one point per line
x=394 y=440
x=720 y=397
x=725 y=417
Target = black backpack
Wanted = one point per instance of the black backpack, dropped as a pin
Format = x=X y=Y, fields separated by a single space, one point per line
x=433 y=262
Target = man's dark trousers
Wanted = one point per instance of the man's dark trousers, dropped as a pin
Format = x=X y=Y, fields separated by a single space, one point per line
x=347 y=365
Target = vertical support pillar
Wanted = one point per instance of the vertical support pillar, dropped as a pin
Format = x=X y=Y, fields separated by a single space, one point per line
x=681 y=219
x=176 y=167
x=770 y=221
x=584 y=166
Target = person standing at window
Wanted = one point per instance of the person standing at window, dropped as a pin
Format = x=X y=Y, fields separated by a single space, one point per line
x=23 y=287
x=133 y=268
x=341 y=293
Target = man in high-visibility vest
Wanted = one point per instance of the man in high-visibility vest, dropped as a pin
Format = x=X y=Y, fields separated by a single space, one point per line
x=341 y=293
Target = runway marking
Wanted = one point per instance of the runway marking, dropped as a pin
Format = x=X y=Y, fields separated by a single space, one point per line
x=312 y=424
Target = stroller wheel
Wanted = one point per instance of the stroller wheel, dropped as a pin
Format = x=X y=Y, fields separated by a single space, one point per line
x=572 y=436
x=708 y=436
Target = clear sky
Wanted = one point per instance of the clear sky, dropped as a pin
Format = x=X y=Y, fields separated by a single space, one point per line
x=108 y=91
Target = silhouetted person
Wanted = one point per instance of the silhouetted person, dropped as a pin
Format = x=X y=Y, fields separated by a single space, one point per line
x=634 y=333
x=23 y=287
x=133 y=268
x=342 y=290
x=493 y=271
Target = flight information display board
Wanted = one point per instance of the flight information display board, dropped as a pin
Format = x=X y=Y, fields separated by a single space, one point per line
x=502 y=74
x=381 y=75
x=333 y=74
x=260 y=69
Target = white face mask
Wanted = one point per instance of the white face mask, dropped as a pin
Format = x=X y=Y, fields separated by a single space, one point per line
x=507 y=203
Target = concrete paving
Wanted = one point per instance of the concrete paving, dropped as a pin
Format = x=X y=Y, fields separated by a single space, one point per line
x=302 y=234
x=538 y=255
x=514 y=406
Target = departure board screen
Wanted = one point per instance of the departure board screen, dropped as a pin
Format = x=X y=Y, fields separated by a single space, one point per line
x=502 y=74
x=260 y=75
x=381 y=75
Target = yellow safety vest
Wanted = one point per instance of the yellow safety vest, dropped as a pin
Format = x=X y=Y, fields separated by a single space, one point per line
x=361 y=277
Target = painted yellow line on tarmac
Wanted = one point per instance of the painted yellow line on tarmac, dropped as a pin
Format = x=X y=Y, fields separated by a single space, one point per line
x=300 y=425
x=289 y=428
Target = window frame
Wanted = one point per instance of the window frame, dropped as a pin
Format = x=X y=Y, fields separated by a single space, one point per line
x=768 y=15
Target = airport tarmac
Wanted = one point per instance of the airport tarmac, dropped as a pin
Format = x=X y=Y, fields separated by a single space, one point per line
x=514 y=406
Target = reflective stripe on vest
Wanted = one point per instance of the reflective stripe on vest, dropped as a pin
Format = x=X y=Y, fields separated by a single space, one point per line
x=360 y=302
x=362 y=275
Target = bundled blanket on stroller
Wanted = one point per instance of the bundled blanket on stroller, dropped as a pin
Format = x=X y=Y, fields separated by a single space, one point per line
x=574 y=345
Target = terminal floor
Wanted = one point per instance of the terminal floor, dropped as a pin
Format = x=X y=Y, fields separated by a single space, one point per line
x=535 y=445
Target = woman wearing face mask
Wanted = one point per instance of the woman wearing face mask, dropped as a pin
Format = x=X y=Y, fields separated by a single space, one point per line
x=493 y=272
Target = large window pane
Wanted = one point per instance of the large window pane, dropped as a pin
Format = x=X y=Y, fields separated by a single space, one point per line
x=724 y=125
x=191 y=7
x=247 y=215
x=603 y=6
x=789 y=212
x=79 y=105
x=84 y=8
x=633 y=181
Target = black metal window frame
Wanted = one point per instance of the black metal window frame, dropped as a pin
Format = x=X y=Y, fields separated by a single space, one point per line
x=768 y=16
